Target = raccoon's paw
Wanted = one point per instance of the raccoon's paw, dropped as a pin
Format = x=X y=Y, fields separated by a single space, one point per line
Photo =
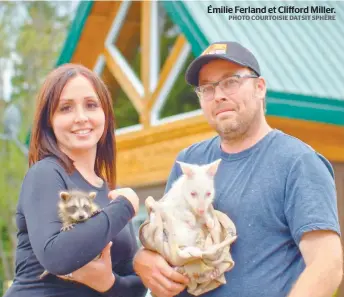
x=67 y=228
x=44 y=274
x=95 y=212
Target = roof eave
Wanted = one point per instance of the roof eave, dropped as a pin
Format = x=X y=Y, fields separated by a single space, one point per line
x=75 y=31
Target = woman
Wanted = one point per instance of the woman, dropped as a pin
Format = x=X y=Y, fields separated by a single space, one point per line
x=73 y=147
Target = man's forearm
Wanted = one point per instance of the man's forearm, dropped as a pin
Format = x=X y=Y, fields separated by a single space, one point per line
x=317 y=280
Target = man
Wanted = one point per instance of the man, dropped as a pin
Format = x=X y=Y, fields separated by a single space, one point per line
x=277 y=190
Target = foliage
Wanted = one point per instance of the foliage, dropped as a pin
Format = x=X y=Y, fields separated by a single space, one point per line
x=31 y=37
x=182 y=98
x=13 y=166
x=39 y=41
x=6 y=44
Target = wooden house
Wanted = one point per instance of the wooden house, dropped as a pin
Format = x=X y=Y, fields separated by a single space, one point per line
x=302 y=62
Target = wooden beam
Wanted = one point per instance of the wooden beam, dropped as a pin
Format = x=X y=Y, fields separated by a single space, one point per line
x=96 y=28
x=146 y=46
x=145 y=116
x=123 y=81
x=145 y=157
x=167 y=67
x=146 y=9
x=325 y=138
x=104 y=8
x=149 y=163
x=128 y=39
x=155 y=134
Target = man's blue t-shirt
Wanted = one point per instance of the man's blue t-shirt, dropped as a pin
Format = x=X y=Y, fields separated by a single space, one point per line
x=274 y=192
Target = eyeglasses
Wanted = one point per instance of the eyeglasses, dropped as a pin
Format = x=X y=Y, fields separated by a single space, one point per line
x=229 y=85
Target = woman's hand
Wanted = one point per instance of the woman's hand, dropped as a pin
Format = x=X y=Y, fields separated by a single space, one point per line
x=96 y=274
x=127 y=193
x=157 y=275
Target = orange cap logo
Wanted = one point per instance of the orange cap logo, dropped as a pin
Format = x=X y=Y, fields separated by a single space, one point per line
x=217 y=48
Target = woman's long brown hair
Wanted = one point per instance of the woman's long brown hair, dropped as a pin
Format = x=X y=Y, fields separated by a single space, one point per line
x=43 y=141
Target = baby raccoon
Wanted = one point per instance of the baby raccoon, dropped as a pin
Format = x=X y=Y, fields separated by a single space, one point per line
x=74 y=207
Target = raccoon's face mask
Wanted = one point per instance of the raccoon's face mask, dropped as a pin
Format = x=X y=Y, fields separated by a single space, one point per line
x=79 y=213
x=78 y=207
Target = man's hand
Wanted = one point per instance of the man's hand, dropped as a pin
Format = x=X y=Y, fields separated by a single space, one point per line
x=96 y=274
x=158 y=275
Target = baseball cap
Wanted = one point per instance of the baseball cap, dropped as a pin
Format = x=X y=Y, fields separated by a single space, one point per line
x=229 y=51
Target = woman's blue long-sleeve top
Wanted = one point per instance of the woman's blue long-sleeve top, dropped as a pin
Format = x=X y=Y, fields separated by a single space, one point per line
x=41 y=244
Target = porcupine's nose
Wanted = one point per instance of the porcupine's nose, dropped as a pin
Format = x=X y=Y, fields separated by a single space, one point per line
x=81 y=217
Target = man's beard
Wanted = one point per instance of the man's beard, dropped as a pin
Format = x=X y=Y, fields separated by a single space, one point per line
x=236 y=128
x=231 y=128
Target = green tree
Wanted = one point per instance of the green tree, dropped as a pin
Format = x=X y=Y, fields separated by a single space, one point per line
x=31 y=37
x=6 y=44
x=38 y=45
